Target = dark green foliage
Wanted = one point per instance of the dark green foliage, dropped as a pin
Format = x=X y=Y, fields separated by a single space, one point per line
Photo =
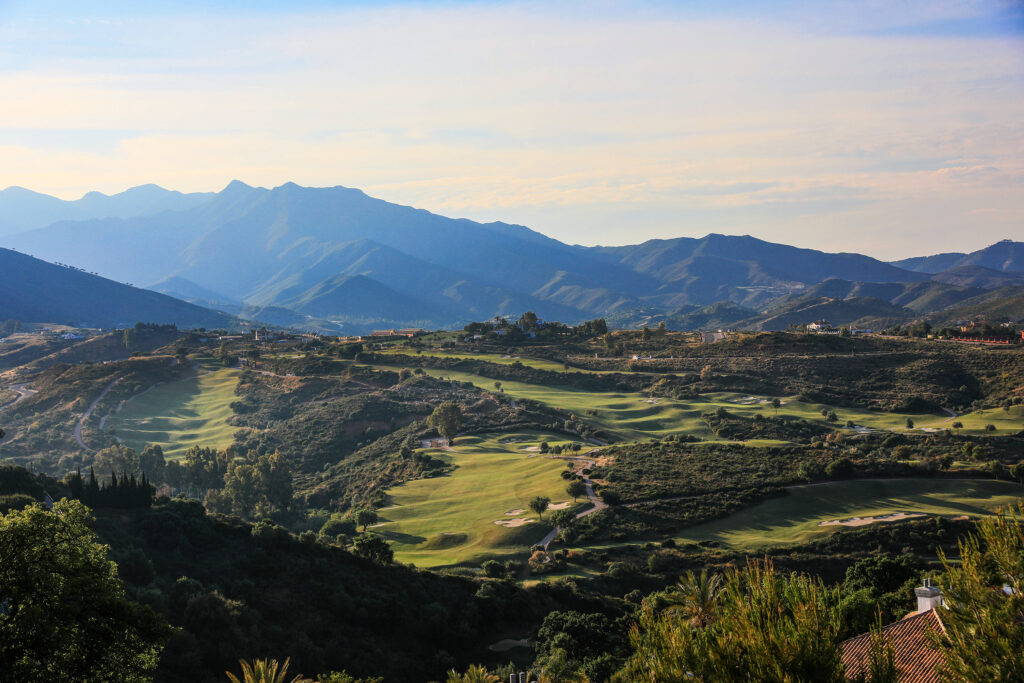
x=982 y=640
x=374 y=548
x=257 y=589
x=64 y=612
x=124 y=491
x=728 y=425
x=573 y=642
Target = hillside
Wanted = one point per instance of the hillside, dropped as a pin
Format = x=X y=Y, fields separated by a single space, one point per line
x=860 y=311
x=979 y=276
x=715 y=316
x=31 y=289
x=1000 y=305
x=1005 y=255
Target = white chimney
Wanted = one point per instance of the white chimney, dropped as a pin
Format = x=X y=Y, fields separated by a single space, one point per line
x=928 y=596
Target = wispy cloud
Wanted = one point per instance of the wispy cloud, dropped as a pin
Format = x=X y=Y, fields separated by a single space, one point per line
x=838 y=127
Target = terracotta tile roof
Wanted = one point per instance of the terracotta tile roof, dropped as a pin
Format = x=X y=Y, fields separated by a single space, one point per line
x=914 y=656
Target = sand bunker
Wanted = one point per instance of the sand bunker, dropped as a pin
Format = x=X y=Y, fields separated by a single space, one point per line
x=531 y=449
x=559 y=506
x=507 y=644
x=516 y=512
x=863 y=521
x=513 y=523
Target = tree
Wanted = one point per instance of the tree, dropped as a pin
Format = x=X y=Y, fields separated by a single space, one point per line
x=493 y=569
x=958 y=425
x=446 y=419
x=645 y=334
x=696 y=597
x=775 y=404
x=982 y=640
x=366 y=517
x=910 y=423
x=265 y=671
x=374 y=548
x=475 y=674
x=576 y=488
x=570 y=643
x=254 y=487
x=763 y=626
x=63 y=611
x=539 y=505
x=990 y=428
x=528 y=321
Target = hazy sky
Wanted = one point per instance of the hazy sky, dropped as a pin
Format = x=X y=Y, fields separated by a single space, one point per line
x=891 y=128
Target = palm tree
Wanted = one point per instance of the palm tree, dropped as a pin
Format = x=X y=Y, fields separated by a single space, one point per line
x=696 y=596
x=266 y=671
x=475 y=674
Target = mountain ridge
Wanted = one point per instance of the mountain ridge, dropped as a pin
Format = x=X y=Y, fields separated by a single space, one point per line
x=293 y=250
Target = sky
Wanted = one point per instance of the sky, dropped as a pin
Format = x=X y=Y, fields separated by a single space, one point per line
x=891 y=128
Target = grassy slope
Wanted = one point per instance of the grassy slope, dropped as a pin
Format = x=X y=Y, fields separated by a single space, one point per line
x=538 y=363
x=632 y=417
x=795 y=517
x=492 y=477
x=179 y=415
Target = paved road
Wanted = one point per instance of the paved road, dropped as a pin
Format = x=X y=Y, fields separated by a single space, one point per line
x=23 y=392
x=87 y=413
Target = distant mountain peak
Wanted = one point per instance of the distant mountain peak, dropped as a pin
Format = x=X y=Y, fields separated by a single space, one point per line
x=236 y=185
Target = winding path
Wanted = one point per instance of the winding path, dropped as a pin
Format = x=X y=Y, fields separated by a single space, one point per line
x=23 y=392
x=85 y=416
x=585 y=462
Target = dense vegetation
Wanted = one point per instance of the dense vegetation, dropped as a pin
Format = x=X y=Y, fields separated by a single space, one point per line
x=288 y=552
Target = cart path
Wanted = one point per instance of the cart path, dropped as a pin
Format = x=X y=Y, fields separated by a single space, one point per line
x=23 y=392
x=585 y=462
x=85 y=416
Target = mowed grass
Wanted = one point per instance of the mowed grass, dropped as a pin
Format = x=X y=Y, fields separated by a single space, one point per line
x=449 y=520
x=178 y=415
x=795 y=517
x=634 y=416
x=537 y=363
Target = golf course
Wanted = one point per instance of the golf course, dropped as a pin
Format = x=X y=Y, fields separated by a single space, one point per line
x=451 y=519
x=811 y=511
x=634 y=416
x=178 y=415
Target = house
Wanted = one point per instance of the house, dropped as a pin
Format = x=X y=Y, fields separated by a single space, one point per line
x=916 y=660
x=819 y=326
x=71 y=335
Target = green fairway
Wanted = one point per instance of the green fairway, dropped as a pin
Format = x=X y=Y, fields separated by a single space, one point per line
x=178 y=415
x=538 y=363
x=451 y=519
x=635 y=416
x=796 y=517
